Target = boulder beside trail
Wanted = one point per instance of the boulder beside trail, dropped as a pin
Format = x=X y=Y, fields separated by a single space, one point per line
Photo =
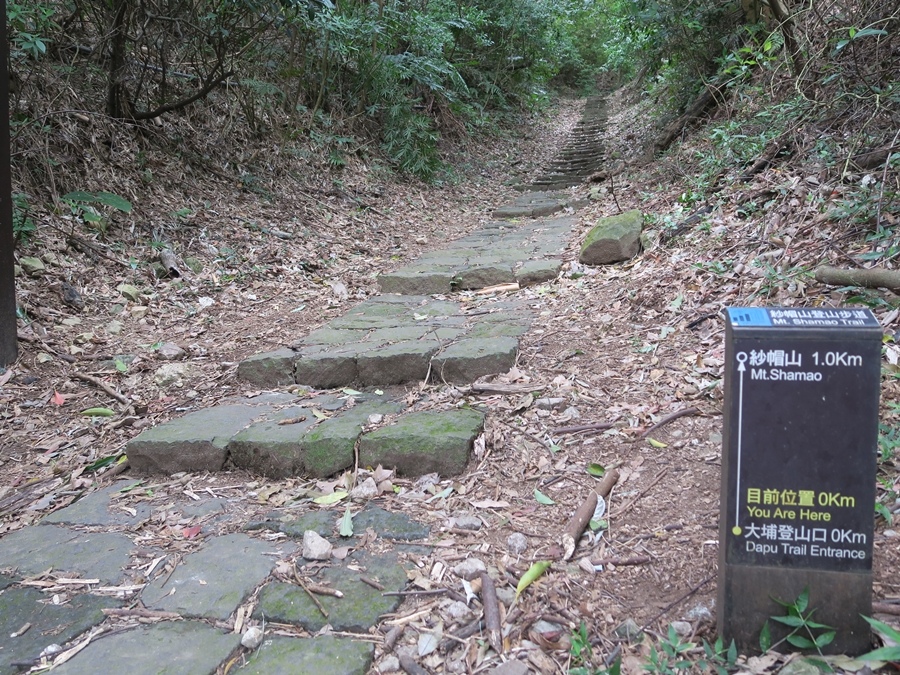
x=613 y=239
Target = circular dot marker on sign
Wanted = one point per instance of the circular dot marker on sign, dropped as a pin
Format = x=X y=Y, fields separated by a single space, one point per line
x=736 y=529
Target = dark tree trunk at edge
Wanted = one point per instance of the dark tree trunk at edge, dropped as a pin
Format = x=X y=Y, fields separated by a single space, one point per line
x=8 y=345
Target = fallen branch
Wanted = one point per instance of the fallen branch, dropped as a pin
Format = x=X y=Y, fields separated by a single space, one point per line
x=312 y=597
x=886 y=608
x=100 y=383
x=491 y=613
x=595 y=426
x=621 y=562
x=140 y=612
x=499 y=288
x=669 y=418
x=579 y=521
x=867 y=278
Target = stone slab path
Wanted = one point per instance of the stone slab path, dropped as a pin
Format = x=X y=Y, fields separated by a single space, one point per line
x=185 y=608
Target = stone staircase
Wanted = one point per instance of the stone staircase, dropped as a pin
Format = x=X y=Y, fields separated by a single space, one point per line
x=405 y=335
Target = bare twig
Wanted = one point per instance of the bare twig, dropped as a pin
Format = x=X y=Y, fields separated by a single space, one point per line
x=595 y=426
x=100 y=383
x=140 y=612
x=620 y=562
x=628 y=506
x=669 y=418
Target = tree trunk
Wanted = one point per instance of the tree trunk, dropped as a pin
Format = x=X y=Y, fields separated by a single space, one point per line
x=118 y=104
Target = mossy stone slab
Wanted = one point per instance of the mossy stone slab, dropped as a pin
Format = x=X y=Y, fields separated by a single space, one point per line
x=321 y=655
x=416 y=282
x=419 y=443
x=170 y=648
x=195 y=442
x=270 y=448
x=357 y=611
x=321 y=522
x=328 y=447
x=269 y=369
x=389 y=524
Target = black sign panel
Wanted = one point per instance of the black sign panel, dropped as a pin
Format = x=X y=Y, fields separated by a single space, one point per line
x=801 y=435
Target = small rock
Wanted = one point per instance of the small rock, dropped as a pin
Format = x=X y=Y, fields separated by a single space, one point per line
x=469 y=568
x=459 y=612
x=139 y=312
x=516 y=543
x=389 y=664
x=506 y=595
x=424 y=482
x=194 y=264
x=71 y=296
x=700 y=613
x=315 y=547
x=375 y=418
x=890 y=533
x=512 y=667
x=682 y=628
x=129 y=291
x=170 y=351
x=33 y=267
x=252 y=637
x=628 y=630
x=171 y=375
x=114 y=327
x=466 y=522
x=365 y=490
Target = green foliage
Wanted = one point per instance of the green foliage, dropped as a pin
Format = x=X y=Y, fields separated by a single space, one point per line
x=671 y=657
x=803 y=632
x=23 y=226
x=719 y=658
x=890 y=653
x=88 y=207
x=30 y=26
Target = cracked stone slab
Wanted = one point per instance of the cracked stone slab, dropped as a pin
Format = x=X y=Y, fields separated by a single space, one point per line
x=419 y=443
x=357 y=611
x=322 y=655
x=173 y=648
x=99 y=508
x=271 y=448
x=213 y=582
x=329 y=447
x=49 y=623
x=98 y=555
x=195 y=442
x=268 y=369
x=405 y=361
x=470 y=358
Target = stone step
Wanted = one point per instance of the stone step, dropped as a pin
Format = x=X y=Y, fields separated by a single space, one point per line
x=280 y=435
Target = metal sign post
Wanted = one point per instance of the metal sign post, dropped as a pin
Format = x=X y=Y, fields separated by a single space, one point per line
x=798 y=470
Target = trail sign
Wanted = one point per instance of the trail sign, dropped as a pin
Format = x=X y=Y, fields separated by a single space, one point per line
x=798 y=469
